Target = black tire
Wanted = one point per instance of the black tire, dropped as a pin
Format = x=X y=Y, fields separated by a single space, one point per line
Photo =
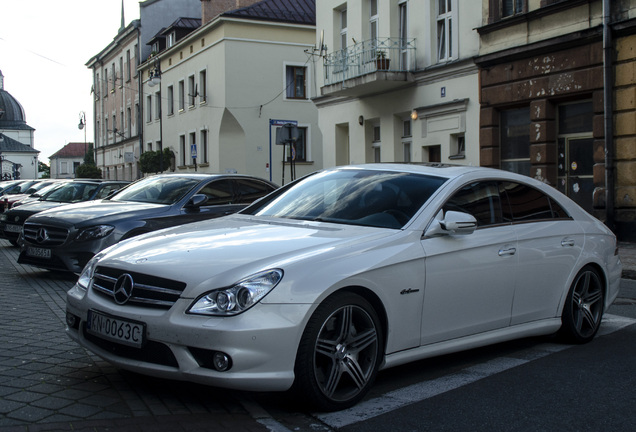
x=583 y=309
x=339 y=353
x=14 y=243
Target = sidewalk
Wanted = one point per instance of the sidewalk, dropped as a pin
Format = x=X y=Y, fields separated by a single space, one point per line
x=627 y=252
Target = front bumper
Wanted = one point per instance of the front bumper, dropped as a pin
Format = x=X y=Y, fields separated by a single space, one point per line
x=261 y=342
x=69 y=257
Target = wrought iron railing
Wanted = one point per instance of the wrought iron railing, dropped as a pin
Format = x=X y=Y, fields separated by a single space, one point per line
x=386 y=54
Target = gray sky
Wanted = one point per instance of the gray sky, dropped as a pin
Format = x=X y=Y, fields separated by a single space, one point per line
x=44 y=47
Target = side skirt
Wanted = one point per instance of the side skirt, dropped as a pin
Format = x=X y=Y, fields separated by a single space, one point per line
x=537 y=328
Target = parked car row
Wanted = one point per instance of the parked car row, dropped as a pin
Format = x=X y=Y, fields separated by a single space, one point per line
x=322 y=283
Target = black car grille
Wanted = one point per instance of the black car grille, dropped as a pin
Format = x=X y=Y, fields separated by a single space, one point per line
x=44 y=235
x=147 y=290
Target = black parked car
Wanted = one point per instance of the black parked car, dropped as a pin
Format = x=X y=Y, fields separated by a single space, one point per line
x=73 y=191
x=66 y=238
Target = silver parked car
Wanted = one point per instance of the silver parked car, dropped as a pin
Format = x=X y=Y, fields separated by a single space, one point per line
x=345 y=272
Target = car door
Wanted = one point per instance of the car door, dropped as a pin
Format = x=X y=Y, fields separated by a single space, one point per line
x=549 y=244
x=470 y=279
x=221 y=201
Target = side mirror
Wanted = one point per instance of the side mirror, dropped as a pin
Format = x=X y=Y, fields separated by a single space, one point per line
x=197 y=200
x=452 y=223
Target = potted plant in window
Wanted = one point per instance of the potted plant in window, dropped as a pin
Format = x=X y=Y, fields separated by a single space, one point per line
x=381 y=62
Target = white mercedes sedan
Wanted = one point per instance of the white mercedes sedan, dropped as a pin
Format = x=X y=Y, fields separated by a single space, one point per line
x=345 y=272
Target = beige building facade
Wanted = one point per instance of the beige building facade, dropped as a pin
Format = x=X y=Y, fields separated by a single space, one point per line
x=220 y=93
x=398 y=83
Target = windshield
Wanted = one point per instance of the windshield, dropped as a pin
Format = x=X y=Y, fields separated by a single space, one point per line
x=36 y=187
x=359 y=197
x=72 y=192
x=157 y=190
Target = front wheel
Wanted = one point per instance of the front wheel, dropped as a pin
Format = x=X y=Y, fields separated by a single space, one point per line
x=583 y=310
x=339 y=353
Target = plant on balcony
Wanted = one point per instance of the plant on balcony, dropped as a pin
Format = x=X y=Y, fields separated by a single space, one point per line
x=381 y=62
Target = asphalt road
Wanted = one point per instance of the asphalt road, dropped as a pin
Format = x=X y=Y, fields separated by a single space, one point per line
x=48 y=383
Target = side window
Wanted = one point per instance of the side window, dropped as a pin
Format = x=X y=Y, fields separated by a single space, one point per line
x=480 y=199
x=107 y=190
x=219 y=192
x=528 y=204
x=249 y=191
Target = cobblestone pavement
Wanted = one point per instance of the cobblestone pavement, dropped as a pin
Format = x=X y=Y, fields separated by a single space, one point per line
x=49 y=383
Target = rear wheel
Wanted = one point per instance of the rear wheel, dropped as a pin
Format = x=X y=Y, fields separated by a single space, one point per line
x=583 y=310
x=339 y=353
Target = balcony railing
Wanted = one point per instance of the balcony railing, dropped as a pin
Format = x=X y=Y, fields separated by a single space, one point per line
x=387 y=54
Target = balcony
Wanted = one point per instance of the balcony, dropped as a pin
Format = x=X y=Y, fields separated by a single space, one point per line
x=371 y=66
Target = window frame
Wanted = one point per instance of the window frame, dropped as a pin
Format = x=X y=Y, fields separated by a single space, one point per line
x=290 y=82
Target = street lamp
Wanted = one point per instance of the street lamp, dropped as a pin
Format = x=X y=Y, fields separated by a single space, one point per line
x=80 y=126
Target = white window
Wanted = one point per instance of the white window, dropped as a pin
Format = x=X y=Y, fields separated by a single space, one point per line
x=193 y=143
x=182 y=148
x=203 y=86
x=446 y=30
x=170 y=100
x=343 y=29
x=373 y=19
x=128 y=67
x=171 y=39
x=404 y=59
x=157 y=106
x=181 y=95
x=296 y=82
x=203 y=144
x=192 y=91
x=149 y=109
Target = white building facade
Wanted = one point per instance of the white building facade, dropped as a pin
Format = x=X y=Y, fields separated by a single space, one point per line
x=398 y=82
x=226 y=87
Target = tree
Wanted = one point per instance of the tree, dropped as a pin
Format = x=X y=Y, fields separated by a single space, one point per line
x=88 y=169
x=149 y=161
x=44 y=169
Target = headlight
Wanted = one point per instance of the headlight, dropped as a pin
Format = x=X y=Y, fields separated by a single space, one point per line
x=3 y=217
x=239 y=297
x=87 y=274
x=95 y=232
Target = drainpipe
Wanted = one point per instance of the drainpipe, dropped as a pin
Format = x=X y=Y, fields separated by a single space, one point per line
x=608 y=102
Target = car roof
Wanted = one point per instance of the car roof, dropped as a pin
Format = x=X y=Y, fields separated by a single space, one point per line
x=435 y=169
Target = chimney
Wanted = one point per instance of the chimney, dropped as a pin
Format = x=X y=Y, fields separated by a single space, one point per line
x=210 y=9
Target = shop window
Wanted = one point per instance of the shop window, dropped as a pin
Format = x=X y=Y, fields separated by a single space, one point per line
x=515 y=140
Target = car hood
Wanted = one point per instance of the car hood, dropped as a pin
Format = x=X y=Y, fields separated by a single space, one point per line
x=37 y=207
x=220 y=252
x=90 y=212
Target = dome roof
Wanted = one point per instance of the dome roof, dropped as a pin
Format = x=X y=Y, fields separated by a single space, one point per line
x=11 y=112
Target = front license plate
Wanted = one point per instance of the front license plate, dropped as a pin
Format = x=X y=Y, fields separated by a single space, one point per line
x=38 y=252
x=13 y=228
x=116 y=329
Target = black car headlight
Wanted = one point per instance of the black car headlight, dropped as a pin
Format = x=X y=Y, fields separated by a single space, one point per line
x=3 y=217
x=239 y=297
x=95 y=232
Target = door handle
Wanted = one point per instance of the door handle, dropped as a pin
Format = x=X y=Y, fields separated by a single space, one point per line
x=567 y=243
x=509 y=251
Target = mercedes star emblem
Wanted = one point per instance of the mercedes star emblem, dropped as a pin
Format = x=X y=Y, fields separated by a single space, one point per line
x=123 y=288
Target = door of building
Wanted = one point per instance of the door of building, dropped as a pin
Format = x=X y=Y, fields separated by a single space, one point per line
x=575 y=169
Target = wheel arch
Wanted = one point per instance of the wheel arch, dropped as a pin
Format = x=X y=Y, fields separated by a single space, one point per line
x=375 y=302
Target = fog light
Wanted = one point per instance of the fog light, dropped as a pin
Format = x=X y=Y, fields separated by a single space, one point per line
x=71 y=320
x=221 y=361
